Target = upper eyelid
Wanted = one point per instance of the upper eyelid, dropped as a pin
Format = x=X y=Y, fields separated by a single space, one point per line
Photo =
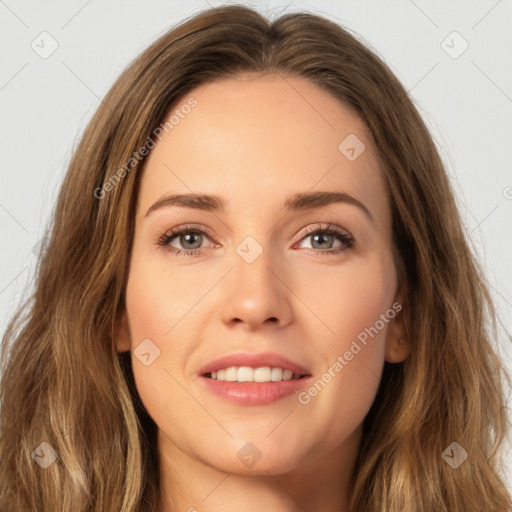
x=185 y=228
x=325 y=227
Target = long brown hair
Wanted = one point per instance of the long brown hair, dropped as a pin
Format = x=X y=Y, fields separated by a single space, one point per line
x=64 y=383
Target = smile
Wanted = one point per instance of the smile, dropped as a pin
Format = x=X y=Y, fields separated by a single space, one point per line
x=248 y=374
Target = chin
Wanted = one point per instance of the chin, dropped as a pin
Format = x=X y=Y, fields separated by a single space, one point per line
x=256 y=458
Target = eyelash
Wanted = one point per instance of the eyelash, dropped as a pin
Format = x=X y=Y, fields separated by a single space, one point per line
x=330 y=229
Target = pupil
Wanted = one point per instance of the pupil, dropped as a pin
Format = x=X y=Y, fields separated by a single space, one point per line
x=315 y=237
x=186 y=237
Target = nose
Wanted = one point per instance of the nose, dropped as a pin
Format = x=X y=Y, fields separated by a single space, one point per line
x=256 y=293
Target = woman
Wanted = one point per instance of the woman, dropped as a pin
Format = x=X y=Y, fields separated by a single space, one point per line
x=256 y=366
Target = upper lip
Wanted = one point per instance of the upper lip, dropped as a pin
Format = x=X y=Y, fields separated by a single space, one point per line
x=254 y=360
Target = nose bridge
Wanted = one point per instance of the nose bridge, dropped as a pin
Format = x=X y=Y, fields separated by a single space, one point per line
x=256 y=290
x=254 y=260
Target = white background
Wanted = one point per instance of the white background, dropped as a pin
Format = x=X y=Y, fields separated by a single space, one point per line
x=46 y=103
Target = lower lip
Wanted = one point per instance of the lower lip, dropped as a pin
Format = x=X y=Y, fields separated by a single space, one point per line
x=254 y=393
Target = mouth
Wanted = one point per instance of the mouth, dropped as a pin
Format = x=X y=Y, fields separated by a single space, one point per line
x=249 y=379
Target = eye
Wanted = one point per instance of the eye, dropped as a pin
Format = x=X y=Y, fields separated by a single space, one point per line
x=191 y=239
x=188 y=236
x=324 y=238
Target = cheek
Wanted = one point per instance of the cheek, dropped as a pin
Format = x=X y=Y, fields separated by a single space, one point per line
x=157 y=301
x=356 y=308
x=350 y=300
x=150 y=317
x=154 y=313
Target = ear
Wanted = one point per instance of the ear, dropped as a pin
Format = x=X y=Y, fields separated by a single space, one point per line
x=397 y=343
x=122 y=338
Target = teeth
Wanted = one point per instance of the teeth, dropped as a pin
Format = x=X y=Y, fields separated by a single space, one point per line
x=231 y=374
x=248 y=374
x=277 y=374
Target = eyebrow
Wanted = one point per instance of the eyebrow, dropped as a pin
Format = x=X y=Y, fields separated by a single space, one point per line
x=297 y=202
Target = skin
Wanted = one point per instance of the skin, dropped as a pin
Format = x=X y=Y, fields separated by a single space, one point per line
x=255 y=141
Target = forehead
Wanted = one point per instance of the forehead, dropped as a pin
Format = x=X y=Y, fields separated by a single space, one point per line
x=259 y=140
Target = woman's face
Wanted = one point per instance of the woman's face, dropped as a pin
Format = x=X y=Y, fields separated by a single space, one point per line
x=264 y=282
